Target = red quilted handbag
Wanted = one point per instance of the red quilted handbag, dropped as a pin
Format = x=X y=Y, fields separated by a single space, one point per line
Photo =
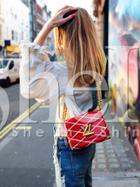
x=86 y=129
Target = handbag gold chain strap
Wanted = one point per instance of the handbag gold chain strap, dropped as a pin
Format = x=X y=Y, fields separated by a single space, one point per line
x=65 y=110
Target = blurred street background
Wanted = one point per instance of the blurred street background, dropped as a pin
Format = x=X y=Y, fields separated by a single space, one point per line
x=26 y=139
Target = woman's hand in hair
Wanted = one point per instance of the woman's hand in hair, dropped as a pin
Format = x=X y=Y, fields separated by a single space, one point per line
x=58 y=19
x=55 y=21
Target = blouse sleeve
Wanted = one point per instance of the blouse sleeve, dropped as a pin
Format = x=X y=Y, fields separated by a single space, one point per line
x=36 y=77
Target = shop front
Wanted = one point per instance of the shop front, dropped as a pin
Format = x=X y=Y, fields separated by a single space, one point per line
x=124 y=65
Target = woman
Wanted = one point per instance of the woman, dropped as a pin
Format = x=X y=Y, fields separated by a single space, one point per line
x=76 y=40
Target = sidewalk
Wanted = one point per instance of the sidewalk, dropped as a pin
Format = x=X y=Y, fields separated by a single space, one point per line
x=115 y=163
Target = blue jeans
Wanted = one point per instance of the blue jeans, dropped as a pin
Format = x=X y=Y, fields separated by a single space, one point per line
x=76 y=165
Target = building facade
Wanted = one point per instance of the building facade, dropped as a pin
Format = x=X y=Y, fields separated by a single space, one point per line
x=32 y=15
x=98 y=12
x=39 y=14
x=1 y=23
x=21 y=20
x=16 y=21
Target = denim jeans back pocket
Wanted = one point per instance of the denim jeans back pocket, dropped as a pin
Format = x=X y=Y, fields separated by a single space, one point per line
x=63 y=144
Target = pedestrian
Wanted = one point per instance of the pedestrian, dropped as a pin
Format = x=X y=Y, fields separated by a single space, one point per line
x=76 y=39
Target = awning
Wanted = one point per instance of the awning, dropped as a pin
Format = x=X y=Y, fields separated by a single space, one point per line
x=13 y=49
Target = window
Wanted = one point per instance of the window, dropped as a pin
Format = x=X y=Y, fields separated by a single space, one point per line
x=11 y=65
x=13 y=34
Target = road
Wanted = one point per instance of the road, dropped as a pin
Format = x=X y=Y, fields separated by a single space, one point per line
x=13 y=98
x=26 y=161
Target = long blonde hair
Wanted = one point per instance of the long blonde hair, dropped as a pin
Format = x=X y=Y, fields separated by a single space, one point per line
x=81 y=47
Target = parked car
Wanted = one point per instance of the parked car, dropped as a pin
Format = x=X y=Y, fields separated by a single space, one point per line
x=9 y=71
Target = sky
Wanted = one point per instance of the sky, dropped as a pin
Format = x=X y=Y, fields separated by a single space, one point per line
x=54 y=5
